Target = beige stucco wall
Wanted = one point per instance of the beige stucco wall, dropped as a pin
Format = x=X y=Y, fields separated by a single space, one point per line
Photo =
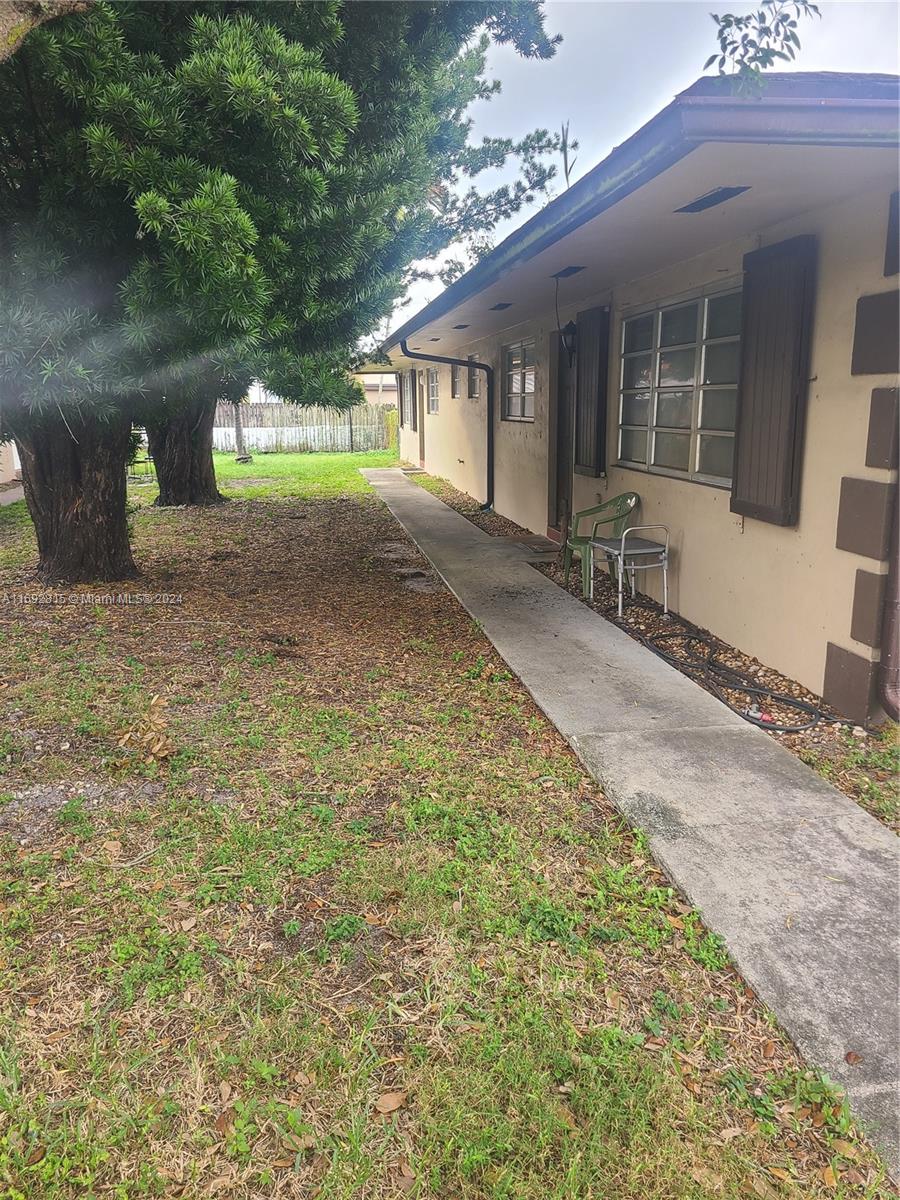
x=8 y=467
x=779 y=594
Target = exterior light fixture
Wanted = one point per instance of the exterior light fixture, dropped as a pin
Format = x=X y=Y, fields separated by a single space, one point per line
x=569 y=337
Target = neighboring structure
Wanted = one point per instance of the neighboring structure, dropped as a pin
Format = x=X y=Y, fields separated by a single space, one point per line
x=709 y=318
x=380 y=387
x=9 y=463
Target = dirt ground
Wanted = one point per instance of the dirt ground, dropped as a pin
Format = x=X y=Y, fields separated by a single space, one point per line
x=303 y=897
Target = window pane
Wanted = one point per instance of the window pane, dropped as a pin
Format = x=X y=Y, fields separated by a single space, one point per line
x=528 y=404
x=636 y=372
x=673 y=409
x=639 y=333
x=634 y=445
x=514 y=405
x=716 y=454
x=723 y=316
x=721 y=363
x=529 y=380
x=528 y=354
x=635 y=406
x=671 y=450
x=676 y=368
x=719 y=409
x=514 y=382
x=678 y=326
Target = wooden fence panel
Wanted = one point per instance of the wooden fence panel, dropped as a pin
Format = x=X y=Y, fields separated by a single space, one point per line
x=287 y=427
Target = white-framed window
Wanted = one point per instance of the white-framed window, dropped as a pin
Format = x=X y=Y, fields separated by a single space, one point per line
x=454 y=381
x=518 y=381
x=678 y=388
x=473 y=375
x=434 y=390
x=407 y=400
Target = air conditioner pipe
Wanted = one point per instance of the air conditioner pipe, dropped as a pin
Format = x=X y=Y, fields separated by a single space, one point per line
x=489 y=376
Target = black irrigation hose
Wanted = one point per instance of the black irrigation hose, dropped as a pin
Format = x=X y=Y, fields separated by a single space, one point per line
x=709 y=671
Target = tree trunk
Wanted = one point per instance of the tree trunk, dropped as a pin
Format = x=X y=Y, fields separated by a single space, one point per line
x=18 y=17
x=181 y=449
x=73 y=473
x=240 y=450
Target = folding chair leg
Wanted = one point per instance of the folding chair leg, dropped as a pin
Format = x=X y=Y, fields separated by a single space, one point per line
x=621 y=574
x=587 y=572
x=666 y=586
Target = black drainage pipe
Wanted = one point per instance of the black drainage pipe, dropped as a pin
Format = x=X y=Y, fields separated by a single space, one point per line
x=489 y=376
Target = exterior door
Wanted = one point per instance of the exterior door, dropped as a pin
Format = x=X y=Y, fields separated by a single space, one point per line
x=559 y=506
x=420 y=414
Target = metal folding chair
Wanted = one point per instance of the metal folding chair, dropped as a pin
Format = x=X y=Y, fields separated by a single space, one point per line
x=632 y=554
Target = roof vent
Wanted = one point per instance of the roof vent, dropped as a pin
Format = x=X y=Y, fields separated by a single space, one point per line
x=460 y=327
x=500 y=307
x=434 y=339
x=710 y=199
x=566 y=272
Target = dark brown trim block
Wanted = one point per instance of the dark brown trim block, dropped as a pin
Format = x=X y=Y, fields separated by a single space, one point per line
x=849 y=683
x=881 y=447
x=868 y=606
x=864 y=517
x=892 y=246
x=876 y=339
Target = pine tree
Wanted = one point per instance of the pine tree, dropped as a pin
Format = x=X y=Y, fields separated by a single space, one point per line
x=182 y=181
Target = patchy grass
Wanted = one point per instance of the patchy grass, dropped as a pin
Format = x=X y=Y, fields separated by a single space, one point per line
x=866 y=769
x=343 y=915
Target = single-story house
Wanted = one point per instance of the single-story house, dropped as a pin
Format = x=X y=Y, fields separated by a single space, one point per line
x=380 y=387
x=708 y=318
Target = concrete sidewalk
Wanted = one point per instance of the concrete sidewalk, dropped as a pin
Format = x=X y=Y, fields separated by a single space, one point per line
x=11 y=495
x=799 y=880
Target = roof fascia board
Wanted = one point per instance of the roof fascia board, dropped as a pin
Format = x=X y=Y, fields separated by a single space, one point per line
x=654 y=148
x=683 y=125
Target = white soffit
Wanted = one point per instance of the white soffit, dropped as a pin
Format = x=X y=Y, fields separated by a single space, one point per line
x=643 y=234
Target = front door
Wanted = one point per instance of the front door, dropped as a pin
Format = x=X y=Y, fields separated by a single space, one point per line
x=559 y=506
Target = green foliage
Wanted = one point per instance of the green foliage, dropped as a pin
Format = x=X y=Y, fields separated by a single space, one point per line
x=754 y=42
x=189 y=187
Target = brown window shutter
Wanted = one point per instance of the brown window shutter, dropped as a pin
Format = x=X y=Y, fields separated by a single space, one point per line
x=591 y=372
x=779 y=293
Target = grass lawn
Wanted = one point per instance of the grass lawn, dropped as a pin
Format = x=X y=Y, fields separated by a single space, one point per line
x=301 y=896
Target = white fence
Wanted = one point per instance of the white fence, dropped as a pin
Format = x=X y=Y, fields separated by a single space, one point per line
x=287 y=427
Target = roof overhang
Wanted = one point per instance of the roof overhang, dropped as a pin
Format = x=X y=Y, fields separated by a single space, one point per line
x=830 y=113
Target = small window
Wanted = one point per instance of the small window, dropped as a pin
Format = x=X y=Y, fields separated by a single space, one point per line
x=678 y=388
x=473 y=379
x=433 y=390
x=454 y=381
x=518 y=381
x=407 y=400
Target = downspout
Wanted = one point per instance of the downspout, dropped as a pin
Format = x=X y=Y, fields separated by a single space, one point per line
x=889 y=666
x=489 y=376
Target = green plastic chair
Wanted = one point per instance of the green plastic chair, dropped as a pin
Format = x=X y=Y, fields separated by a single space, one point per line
x=614 y=512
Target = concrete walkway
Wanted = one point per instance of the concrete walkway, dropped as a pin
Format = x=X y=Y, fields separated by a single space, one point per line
x=800 y=881
x=11 y=495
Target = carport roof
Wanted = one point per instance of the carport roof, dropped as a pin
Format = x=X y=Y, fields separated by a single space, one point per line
x=821 y=109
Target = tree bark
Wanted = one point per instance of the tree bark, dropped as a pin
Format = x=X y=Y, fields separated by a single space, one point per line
x=19 y=17
x=73 y=473
x=181 y=449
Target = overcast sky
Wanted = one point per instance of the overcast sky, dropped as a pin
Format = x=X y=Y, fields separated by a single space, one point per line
x=621 y=61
